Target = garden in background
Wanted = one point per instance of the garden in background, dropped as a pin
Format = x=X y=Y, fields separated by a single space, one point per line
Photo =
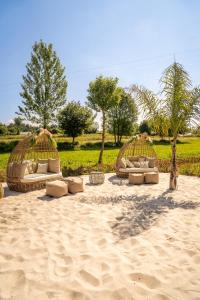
x=82 y=156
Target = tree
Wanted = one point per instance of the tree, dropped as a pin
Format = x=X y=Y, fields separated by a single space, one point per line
x=145 y=127
x=3 y=129
x=103 y=94
x=44 y=86
x=93 y=128
x=18 y=123
x=122 y=116
x=179 y=106
x=75 y=118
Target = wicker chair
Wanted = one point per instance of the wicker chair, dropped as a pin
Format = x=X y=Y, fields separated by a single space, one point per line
x=133 y=150
x=31 y=149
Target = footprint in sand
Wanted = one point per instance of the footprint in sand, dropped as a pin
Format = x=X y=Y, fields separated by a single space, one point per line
x=11 y=280
x=89 y=278
x=61 y=271
x=150 y=281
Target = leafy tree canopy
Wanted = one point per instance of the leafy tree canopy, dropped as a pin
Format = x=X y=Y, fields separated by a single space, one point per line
x=44 y=86
x=75 y=118
x=122 y=116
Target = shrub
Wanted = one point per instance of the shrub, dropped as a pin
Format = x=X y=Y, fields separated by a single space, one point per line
x=7 y=146
x=61 y=146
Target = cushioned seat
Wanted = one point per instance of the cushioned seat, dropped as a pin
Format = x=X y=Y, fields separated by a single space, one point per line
x=38 y=177
x=136 y=178
x=56 y=188
x=138 y=170
x=75 y=184
x=151 y=177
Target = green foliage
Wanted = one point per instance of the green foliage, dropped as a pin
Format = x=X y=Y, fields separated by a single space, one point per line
x=93 y=128
x=74 y=159
x=3 y=129
x=103 y=94
x=145 y=127
x=75 y=118
x=7 y=147
x=122 y=117
x=44 y=86
x=180 y=105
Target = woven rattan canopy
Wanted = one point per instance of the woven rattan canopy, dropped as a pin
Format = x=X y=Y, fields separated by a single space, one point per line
x=32 y=147
x=137 y=146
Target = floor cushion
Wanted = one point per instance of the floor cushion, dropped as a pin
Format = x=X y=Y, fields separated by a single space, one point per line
x=56 y=188
x=75 y=184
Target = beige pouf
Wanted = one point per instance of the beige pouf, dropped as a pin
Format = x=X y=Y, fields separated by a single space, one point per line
x=56 y=188
x=136 y=178
x=151 y=177
x=75 y=184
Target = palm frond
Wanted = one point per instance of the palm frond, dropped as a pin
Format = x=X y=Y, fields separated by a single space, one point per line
x=148 y=103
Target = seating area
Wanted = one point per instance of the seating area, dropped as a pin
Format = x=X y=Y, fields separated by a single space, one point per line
x=136 y=156
x=33 y=162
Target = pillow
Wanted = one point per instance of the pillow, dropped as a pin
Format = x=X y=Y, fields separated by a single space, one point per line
x=144 y=164
x=34 y=166
x=152 y=162
x=129 y=164
x=29 y=169
x=54 y=165
x=42 y=168
x=133 y=158
x=142 y=158
x=136 y=164
x=18 y=169
x=123 y=163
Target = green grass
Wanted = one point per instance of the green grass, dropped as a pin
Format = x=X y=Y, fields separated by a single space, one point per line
x=188 y=147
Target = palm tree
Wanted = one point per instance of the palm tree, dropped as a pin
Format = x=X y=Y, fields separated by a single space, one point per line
x=179 y=105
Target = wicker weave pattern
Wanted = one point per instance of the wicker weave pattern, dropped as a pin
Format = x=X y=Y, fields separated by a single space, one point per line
x=30 y=148
x=134 y=148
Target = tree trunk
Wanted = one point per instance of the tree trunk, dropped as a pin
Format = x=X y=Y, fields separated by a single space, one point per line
x=173 y=172
x=103 y=138
x=44 y=124
x=73 y=140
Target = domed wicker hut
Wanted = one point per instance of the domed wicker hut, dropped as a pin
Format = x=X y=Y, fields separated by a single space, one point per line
x=33 y=162
x=136 y=156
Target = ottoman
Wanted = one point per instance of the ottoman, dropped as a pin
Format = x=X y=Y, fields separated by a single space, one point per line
x=151 y=177
x=56 y=188
x=75 y=184
x=136 y=178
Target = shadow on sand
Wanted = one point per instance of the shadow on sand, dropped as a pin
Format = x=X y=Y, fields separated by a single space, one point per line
x=139 y=213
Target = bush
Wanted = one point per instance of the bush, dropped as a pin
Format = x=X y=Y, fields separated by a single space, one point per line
x=61 y=146
x=97 y=146
x=7 y=146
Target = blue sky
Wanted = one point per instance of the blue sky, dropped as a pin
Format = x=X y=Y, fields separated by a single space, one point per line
x=133 y=40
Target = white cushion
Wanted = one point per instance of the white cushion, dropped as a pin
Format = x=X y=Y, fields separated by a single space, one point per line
x=138 y=170
x=38 y=177
x=42 y=168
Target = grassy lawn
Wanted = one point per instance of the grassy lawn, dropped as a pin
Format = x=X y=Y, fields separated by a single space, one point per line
x=187 y=147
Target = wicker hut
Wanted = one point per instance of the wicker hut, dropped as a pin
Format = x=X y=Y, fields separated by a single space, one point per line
x=30 y=155
x=136 y=156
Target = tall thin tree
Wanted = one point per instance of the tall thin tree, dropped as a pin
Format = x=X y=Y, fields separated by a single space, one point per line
x=44 y=86
x=103 y=95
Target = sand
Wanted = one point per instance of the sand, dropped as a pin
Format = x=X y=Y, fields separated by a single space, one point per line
x=96 y=245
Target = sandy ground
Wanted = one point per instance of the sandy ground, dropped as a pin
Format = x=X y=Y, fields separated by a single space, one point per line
x=113 y=241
